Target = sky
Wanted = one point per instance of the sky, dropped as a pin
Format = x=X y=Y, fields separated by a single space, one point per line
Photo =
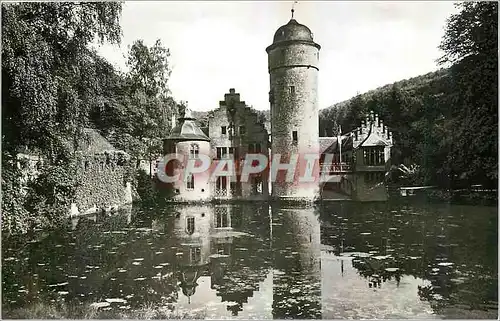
x=216 y=46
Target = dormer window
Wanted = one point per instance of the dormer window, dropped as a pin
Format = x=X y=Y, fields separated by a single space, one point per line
x=373 y=156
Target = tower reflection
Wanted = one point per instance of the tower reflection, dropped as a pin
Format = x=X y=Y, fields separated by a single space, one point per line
x=192 y=227
x=297 y=263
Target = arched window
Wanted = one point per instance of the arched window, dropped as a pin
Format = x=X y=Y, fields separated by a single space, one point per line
x=194 y=151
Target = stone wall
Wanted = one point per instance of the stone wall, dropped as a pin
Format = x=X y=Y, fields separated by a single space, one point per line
x=102 y=184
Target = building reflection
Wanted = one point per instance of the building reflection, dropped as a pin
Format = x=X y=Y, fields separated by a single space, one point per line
x=297 y=263
x=210 y=254
x=122 y=217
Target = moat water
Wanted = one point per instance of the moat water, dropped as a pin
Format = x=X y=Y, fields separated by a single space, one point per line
x=334 y=261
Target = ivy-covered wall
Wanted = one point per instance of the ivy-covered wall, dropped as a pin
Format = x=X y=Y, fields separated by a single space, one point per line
x=102 y=182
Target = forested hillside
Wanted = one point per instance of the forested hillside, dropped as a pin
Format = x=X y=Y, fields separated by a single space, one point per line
x=348 y=116
x=445 y=122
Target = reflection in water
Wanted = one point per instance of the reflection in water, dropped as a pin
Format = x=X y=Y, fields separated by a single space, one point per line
x=205 y=260
x=297 y=275
x=417 y=259
x=344 y=260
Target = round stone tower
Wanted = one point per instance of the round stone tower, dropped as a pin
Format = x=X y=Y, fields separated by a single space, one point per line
x=293 y=68
x=189 y=143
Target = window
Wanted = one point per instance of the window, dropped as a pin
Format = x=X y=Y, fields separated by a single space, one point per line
x=373 y=156
x=295 y=136
x=194 y=151
x=221 y=152
x=194 y=255
x=221 y=217
x=242 y=130
x=257 y=185
x=223 y=130
x=190 y=225
x=221 y=183
x=254 y=148
x=291 y=90
x=190 y=182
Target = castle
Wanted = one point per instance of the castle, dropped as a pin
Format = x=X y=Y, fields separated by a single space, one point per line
x=356 y=166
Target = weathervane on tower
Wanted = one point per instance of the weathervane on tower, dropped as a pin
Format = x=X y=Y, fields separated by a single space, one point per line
x=293 y=7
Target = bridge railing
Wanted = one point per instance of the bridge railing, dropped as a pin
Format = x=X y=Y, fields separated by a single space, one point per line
x=336 y=168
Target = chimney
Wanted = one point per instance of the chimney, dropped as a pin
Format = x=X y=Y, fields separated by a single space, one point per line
x=390 y=136
x=173 y=121
x=377 y=120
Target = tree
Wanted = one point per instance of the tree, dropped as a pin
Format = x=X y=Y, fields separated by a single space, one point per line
x=142 y=111
x=47 y=75
x=149 y=68
x=471 y=32
x=46 y=68
x=51 y=79
x=354 y=113
x=470 y=43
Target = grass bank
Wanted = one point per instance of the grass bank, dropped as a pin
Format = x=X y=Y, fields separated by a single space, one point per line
x=42 y=310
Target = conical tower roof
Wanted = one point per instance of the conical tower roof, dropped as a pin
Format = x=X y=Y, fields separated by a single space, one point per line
x=187 y=130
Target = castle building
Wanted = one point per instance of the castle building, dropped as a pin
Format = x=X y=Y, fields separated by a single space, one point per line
x=360 y=161
x=188 y=141
x=235 y=131
x=293 y=69
x=292 y=145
